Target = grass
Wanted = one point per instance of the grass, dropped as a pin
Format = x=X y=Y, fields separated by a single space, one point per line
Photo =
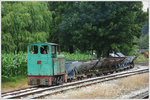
x=13 y=64
x=109 y=90
x=17 y=83
x=12 y=79
x=141 y=58
x=77 y=56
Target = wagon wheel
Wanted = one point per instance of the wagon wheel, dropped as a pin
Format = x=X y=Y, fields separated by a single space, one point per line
x=132 y=65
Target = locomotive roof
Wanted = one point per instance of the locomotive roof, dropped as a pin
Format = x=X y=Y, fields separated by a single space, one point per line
x=52 y=43
x=45 y=43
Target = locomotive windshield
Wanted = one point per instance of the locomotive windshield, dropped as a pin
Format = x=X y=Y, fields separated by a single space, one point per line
x=44 y=49
x=53 y=50
x=33 y=49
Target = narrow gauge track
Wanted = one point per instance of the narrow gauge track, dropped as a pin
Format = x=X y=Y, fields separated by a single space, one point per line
x=41 y=92
x=15 y=92
x=143 y=95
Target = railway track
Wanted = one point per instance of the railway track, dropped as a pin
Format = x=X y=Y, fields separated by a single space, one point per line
x=137 y=94
x=143 y=95
x=38 y=92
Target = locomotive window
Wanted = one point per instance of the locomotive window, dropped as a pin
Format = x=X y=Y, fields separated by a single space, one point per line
x=33 y=49
x=44 y=49
x=53 y=49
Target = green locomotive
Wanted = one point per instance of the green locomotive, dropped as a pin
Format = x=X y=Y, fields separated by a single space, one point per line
x=45 y=66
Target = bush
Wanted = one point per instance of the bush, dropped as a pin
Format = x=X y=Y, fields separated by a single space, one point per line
x=14 y=64
x=77 y=56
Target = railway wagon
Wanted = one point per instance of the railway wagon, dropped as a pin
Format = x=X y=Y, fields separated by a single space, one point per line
x=45 y=65
x=113 y=63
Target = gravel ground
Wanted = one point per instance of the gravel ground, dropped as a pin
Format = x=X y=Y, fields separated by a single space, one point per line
x=108 y=90
x=126 y=96
x=142 y=63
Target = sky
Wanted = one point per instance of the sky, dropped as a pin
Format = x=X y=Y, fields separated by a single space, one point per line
x=145 y=5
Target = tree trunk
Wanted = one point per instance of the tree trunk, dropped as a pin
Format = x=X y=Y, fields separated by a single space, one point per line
x=109 y=51
x=98 y=53
x=92 y=52
x=17 y=50
x=71 y=49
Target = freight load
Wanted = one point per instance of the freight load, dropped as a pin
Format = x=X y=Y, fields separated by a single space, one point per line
x=114 y=63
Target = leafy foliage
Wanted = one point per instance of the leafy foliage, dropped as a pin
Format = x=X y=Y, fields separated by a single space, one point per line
x=76 y=56
x=14 y=64
x=23 y=23
x=102 y=26
x=141 y=58
x=143 y=42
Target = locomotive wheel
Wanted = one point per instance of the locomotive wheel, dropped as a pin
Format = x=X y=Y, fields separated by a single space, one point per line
x=81 y=77
x=118 y=71
x=88 y=76
x=98 y=74
x=112 y=72
x=68 y=80
x=54 y=81
x=105 y=73
x=78 y=78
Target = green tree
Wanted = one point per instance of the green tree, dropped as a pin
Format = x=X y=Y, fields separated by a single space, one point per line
x=103 y=26
x=23 y=23
x=143 y=42
x=59 y=11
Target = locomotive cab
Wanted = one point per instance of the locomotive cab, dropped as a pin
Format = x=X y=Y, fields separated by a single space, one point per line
x=45 y=66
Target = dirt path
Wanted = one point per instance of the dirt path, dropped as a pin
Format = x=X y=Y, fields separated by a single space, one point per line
x=9 y=86
x=109 y=90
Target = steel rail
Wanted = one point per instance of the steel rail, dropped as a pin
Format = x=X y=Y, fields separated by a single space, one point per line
x=64 y=87
x=84 y=84
x=14 y=92
x=143 y=95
